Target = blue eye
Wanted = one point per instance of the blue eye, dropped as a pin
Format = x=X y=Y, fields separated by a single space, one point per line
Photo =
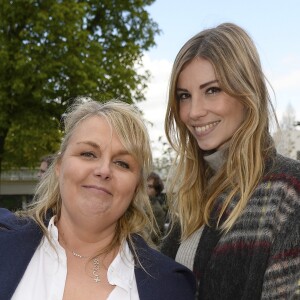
x=88 y=154
x=122 y=164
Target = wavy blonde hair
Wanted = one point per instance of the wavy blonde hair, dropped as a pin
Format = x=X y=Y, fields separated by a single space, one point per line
x=237 y=66
x=129 y=126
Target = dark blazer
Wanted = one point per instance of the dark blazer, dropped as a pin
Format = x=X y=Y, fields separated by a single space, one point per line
x=160 y=278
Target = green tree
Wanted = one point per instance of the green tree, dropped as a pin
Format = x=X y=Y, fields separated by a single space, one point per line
x=54 y=50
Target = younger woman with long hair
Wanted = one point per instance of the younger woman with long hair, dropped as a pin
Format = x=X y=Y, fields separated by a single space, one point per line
x=234 y=201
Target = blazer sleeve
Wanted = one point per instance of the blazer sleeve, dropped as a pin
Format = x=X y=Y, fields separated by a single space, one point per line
x=171 y=242
x=161 y=278
x=19 y=239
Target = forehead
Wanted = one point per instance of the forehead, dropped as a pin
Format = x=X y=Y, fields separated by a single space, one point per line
x=199 y=69
x=94 y=128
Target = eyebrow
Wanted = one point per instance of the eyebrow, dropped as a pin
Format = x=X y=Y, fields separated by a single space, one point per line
x=202 y=86
x=92 y=144
x=96 y=146
x=208 y=83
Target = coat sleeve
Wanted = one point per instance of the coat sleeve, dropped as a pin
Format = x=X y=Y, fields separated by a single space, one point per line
x=282 y=276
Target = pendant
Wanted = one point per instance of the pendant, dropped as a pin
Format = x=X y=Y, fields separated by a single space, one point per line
x=96 y=270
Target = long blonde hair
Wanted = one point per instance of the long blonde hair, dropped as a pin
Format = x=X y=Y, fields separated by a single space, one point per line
x=129 y=126
x=237 y=66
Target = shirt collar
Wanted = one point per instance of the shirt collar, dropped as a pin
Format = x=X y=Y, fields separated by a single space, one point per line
x=216 y=159
x=57 y=251
x=121 y=270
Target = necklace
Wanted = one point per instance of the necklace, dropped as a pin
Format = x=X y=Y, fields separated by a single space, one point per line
x=78 y=255
x=96 y=263
x=96 y=270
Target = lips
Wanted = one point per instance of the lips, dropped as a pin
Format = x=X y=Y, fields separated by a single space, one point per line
x=97 y=188
x=206 y=127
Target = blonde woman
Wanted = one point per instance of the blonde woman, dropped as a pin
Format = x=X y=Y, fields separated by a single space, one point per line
x=234 y=201
x=84 y=236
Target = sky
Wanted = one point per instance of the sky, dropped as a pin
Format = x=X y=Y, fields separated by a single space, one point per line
x=273 y=25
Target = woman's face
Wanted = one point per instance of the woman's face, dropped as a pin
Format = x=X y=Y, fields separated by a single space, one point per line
x=97 y=176
x=211 y=115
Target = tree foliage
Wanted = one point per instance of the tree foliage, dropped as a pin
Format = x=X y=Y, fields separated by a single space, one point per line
x=54 y=50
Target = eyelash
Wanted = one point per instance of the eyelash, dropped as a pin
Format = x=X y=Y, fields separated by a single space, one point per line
x=122 y=164
x=91 y=155
x=183 y=96
x=88 y=154
x=210 y=91
x=213 y=90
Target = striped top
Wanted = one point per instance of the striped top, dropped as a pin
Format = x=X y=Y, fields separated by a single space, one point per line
x=259 y=258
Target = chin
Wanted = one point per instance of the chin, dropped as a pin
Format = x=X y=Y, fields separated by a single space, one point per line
x=207 y=147
x=210 y=146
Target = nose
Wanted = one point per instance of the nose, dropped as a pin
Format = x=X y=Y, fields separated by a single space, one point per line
x=197 y=107
x=103 y=169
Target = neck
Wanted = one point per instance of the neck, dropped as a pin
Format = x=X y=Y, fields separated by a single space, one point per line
x=76 y=239
x=216 y=159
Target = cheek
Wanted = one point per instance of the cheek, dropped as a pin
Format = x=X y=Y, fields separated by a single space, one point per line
x=129 y=190
x=68 y=177
x=240 y=116
x=132 y=191
x=183 y=112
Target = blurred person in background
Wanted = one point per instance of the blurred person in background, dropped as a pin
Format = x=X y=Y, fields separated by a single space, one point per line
x=46 y=161
x=155 y=187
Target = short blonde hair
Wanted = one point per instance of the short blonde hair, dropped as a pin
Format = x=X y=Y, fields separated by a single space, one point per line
x=237 y=66
x=126 y=120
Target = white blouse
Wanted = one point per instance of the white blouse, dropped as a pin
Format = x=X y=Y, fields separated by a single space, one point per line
x=46 y=273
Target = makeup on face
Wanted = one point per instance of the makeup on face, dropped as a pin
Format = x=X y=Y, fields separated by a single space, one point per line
x=211 y=115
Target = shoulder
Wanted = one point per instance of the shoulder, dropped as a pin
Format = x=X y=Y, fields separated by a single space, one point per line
x=287 y=163
x=14 y=227
x=7 y=218
x=282 y=167
x=16 y=230
x=19 y=238
x=282 y=187
x=11 y=221
x=283 y=174
x=281 y=182
x=155 y=271
x=4 y=213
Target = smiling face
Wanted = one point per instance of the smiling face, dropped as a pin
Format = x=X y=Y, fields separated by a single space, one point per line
x=211 y=115
x=97 y=176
